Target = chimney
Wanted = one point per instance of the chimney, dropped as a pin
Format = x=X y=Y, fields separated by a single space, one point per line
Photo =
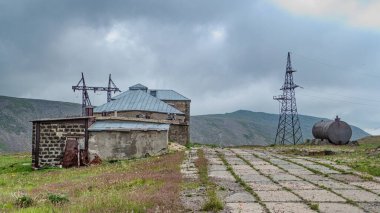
x=89 y=111
x=153 y=93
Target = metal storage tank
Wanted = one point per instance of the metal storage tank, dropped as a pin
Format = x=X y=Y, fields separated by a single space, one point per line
x=337 y=132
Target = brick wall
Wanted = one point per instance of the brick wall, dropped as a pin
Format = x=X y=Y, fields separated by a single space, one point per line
x=52 y=140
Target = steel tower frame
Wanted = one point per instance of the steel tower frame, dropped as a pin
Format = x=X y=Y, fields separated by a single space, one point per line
x=289 y=127
x=86 y=98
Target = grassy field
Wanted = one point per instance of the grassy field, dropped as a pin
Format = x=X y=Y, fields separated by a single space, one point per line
x=146 y=185
x=364 y=158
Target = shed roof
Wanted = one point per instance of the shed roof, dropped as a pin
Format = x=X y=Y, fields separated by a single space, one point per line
x=137 y=100
x=127 y=125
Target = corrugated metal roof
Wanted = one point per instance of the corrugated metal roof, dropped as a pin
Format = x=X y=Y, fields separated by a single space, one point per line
x=169 y=95
x=137 y=100
x=126 y=125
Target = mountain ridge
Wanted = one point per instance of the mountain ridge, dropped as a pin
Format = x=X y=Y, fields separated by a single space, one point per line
x=245 y=127
x=242 y=127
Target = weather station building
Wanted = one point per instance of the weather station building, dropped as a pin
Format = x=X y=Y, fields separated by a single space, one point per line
x=136 y=123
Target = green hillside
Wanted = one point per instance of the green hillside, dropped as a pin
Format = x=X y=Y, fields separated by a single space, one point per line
x=247 y=128
x=15 y=114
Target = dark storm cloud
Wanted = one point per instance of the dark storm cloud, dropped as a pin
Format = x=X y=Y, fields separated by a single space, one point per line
x=223 y=55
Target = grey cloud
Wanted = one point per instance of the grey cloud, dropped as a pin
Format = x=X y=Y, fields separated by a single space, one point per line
x=169 y=44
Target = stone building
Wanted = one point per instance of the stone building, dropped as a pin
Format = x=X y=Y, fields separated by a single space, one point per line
x=141 y=102
x=137 y=123
x=51 y=137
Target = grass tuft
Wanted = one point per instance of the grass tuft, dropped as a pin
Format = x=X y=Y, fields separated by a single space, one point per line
x=24 y=201
x=58 y=199
x=314 y=206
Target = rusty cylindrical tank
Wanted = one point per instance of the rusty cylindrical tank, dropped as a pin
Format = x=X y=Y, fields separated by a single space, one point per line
x=337 y=132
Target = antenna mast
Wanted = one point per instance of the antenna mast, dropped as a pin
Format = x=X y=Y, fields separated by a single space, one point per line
x=289 y=128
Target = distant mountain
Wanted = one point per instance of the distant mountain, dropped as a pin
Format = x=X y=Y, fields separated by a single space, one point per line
x=237 y=128
x=247 y=128
x=15 y=114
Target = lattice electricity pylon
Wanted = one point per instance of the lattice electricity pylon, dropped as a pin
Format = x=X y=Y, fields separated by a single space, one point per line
x=289 y=128
x=111 y=88
x=86 y=99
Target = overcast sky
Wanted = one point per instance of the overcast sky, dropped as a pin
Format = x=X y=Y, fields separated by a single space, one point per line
x=224 y=55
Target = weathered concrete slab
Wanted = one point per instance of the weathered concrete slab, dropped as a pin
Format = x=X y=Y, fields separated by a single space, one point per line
x=299 y=171
x=332 y=184
x=371 y=207
x=235 y=161
x=264 y=186
x=338 y=208
x=240 y=197
x=246 y=172
x=277 y=196
x=272 y=171
x=367 y=185
x=258 y=162
x=285 y=174
x=244 y=207
x=323 y=169
x=342 y=167
x=255 y=178
x=347 y=178
x=303 y=162
x=298 y=185
x=319 y=196
x=223 y=175
x=359 y=195
x=290 y=166
x=243 y=167
x=276 y=207
x=313 y=178
x=281 y=176
x=215 y=167
x=265 y=167
x=279 y=162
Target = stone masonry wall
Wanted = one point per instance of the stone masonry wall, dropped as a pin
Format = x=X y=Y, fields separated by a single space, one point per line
x=52 y=137
x=179 y=134
x=134 y=114
x=183 y=106
x=118 y=145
